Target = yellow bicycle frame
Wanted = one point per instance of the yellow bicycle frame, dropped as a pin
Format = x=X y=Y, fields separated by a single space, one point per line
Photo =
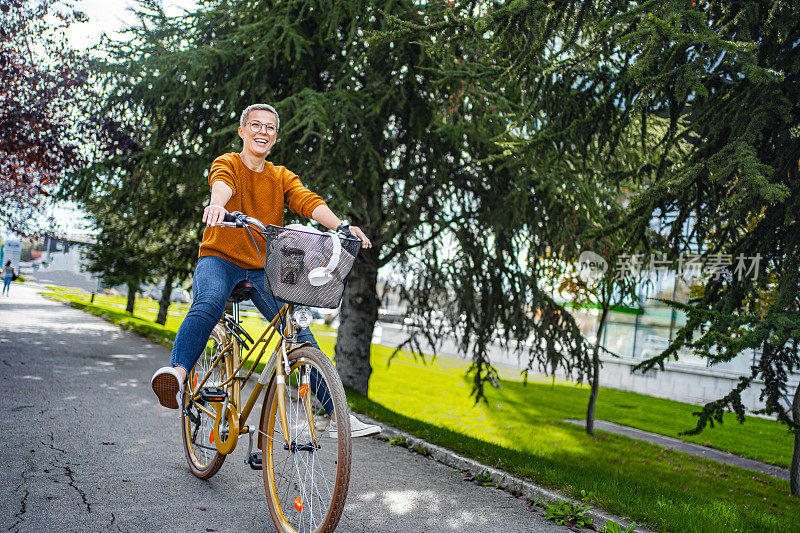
x=277 y=368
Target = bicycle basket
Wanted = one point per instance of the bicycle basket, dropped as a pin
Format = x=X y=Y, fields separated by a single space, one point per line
x=292 y=254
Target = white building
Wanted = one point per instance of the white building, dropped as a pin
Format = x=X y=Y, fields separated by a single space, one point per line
x=636 y=334
x=61 y=263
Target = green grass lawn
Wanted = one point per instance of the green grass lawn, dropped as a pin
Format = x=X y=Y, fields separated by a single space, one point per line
x=519 y=429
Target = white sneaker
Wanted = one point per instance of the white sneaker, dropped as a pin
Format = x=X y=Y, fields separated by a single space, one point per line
x=322 y=423
x=167 y=385
x=357 y=429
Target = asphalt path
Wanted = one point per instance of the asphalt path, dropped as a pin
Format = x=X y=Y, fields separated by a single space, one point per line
x=87 y=447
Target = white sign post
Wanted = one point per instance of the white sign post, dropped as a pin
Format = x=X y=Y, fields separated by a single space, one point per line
x=11 y=252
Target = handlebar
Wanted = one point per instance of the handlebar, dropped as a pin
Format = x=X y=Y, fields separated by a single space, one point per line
x=318 y=276
x=237 y=219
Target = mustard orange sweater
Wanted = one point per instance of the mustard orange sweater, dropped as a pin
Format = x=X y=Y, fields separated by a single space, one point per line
x=260 y=195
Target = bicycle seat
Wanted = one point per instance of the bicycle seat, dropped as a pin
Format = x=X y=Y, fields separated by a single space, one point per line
x=241 y=292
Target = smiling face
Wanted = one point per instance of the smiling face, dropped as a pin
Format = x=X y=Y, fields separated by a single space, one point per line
x=258 y=143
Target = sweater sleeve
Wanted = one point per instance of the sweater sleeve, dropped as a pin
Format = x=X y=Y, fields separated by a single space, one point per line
x=222 y=169
x=297 y=197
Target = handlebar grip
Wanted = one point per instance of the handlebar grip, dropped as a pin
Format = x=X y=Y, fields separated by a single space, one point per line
x=229 y=218
x=346 y=233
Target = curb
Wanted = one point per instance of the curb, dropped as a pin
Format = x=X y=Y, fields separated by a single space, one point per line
x=503 y=480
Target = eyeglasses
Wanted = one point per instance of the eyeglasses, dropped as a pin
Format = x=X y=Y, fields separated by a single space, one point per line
x=255 y=127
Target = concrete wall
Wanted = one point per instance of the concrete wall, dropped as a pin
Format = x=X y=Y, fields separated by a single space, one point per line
x=681 y=382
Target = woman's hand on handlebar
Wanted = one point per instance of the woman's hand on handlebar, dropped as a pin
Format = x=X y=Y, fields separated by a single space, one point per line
x=214 y=214
x=215 y=210
x=365 y=243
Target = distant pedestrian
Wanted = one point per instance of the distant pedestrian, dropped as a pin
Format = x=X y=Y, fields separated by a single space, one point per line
x=7 y=275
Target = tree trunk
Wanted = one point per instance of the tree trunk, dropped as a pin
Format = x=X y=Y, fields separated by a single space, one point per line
x=794 y=473
x=163 y=303
x=131 y=297
x=356 y=322
x=595 y=371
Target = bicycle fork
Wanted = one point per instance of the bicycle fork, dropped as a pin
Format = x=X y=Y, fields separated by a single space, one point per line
x=304 y=393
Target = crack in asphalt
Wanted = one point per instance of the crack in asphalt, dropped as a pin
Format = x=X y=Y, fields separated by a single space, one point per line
x=71 y=476
x=67 y=470
x=52 y=446
x=23 y=502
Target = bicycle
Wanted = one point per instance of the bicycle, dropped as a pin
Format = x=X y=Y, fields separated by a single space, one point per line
x=307 y=471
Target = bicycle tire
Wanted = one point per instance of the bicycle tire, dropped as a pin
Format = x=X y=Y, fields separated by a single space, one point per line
x=318 y=477
x=198 y=444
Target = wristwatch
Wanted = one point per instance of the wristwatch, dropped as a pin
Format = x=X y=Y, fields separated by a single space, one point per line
x=344 y=227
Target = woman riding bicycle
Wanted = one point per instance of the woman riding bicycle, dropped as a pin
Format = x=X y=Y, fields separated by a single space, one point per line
x=244 y=182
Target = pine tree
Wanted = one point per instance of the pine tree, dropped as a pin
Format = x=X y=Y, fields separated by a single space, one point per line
x=525 y=68
x=734 y=81
x=724 y=77
x=135 y=200
x=116 y=257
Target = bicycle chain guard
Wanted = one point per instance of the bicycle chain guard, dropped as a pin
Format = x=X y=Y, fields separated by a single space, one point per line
x=227 y=445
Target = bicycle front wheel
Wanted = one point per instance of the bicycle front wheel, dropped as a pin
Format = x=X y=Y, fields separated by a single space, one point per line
x=306 y=481
x=197 y=420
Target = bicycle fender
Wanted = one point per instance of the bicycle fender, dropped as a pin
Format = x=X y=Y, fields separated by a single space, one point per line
x=220 y=333
x=297 y=346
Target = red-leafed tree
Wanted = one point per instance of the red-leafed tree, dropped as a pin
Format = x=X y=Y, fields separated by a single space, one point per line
x=40 y=84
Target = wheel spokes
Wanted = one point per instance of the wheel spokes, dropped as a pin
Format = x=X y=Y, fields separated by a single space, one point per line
x=305 y=471
x=202 y=447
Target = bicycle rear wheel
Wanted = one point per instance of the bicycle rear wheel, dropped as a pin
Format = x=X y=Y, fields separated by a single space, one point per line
x=197 y=425
x=306 y=485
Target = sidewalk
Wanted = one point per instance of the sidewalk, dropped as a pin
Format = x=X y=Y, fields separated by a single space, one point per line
x=688 y=447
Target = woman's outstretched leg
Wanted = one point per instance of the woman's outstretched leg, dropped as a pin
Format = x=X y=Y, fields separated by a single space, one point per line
x=214 y=278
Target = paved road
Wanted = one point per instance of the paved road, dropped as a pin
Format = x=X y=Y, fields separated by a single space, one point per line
x=87 y=448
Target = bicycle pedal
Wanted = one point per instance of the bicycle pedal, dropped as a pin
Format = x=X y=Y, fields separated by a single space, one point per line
x=213 y=394
x=254 y=460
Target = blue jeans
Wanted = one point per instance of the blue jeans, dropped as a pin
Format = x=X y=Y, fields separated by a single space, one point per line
x=7 y=284
x=214 y=279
